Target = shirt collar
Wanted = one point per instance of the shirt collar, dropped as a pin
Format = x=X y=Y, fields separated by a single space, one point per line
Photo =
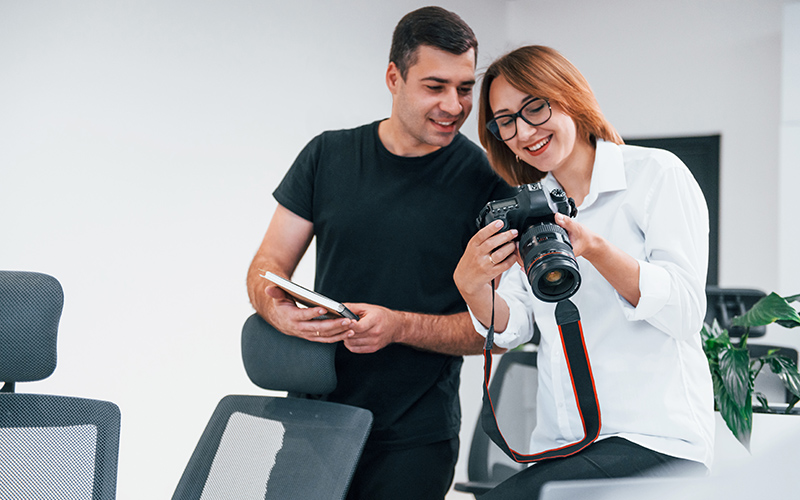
x=608 y=172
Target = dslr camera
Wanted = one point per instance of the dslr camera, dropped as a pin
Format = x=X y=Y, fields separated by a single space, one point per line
x=544 y=245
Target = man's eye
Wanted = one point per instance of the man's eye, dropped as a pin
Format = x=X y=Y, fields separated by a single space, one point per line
x=435 y=88
x=465 y=90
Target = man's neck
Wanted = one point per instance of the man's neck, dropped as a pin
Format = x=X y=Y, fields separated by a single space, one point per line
x=400 y=143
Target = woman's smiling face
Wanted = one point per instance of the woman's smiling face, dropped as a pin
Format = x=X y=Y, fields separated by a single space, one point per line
x=547 y=146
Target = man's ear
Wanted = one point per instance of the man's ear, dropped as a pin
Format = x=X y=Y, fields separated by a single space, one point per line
x=393 y=77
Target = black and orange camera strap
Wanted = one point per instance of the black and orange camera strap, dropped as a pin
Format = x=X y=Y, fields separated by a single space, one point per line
x=580 y=370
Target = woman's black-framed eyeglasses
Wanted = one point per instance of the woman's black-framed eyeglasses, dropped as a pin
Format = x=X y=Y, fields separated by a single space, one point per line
x=535 y=112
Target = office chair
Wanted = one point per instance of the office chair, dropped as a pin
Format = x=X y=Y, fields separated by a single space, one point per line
x=50 y=446
x=269 y=447
x=513 y=389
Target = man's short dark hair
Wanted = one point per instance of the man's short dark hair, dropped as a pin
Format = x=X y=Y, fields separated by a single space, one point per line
x=433 y=26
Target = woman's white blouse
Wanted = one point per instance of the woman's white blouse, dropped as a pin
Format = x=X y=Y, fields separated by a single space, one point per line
x=651 y=375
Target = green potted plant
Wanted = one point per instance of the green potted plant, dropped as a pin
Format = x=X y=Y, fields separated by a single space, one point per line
x=734 y=371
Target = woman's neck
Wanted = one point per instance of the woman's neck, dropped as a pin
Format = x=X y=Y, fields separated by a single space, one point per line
x=576 y=174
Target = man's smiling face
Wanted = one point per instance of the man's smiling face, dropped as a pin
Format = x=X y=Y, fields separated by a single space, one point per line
x=435 y=98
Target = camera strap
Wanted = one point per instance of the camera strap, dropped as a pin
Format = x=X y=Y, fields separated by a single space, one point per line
x=580 y=370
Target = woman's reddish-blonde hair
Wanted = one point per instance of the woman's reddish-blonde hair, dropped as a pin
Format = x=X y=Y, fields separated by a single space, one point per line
x=540 y=71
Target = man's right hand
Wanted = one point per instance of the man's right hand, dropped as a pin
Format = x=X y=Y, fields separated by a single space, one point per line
x=290 y=319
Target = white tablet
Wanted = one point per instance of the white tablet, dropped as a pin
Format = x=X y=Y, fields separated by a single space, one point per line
x=308 y=297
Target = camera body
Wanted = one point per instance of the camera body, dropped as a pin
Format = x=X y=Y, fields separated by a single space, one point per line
x=544 y=245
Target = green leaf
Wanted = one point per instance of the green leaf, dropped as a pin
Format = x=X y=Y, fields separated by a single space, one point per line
x=762 y=398
x=738 y=419
x=786 y=371
x=705 y=332
x=715 y=340
x=770 y=309
x=734 y=368
x=714 y=347
x=733 y=372
x=716 y=331
x=793 y=298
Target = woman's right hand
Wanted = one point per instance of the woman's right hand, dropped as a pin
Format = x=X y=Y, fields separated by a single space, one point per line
x=488 y=255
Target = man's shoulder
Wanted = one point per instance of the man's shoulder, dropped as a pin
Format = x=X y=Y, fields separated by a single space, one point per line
x=331 y=143
x=348 y=133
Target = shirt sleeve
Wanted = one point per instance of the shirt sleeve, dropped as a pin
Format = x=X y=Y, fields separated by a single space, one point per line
x=515 y=290
x=296 y=190
x=673 y=275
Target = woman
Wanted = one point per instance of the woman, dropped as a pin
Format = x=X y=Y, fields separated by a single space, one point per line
x=641 y=241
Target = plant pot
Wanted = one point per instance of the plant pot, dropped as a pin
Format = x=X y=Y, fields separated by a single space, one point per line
x=771 y=432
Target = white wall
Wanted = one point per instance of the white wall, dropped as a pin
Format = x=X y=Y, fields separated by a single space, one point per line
x=140 y=142
x=789 y=174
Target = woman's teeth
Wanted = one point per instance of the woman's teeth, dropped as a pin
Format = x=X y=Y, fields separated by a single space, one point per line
x=539 y=145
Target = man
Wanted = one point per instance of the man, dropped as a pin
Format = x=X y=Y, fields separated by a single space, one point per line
x=392 y=205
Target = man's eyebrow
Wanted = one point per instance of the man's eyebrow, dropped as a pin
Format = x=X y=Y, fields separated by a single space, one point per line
x=445 y=80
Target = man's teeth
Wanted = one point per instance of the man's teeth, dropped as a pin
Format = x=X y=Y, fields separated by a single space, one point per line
x=539 y=145
x=444 y=124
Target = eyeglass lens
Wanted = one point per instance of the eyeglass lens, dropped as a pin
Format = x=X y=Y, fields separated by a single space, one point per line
x=535 y=113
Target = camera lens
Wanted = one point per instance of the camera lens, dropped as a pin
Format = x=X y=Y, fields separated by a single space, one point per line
x=549 y=262
x=554 y=277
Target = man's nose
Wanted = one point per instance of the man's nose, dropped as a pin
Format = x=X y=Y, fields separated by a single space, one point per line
x=451 y=103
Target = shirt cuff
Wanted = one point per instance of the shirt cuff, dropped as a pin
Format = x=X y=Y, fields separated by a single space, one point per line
x=516 y=333
x=482 y=330
x=654 y=289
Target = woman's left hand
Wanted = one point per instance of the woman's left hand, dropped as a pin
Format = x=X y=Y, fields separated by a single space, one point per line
x=617 y=267
x=582 y=238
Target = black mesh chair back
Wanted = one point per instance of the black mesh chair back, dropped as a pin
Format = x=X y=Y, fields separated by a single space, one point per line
x=513 y=388
x=51 y=447
x=287 y=448
x=58 y=447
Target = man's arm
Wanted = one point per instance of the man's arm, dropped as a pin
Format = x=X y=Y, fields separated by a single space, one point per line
x=284 y=244
x=378 y=327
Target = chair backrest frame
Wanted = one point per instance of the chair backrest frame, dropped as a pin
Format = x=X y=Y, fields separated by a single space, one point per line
x=44 y=415
x=341 y=430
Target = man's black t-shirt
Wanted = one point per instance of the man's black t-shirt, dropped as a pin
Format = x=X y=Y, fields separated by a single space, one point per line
x=390 y=231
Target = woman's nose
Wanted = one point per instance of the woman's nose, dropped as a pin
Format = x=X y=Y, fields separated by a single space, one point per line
x=524 y=129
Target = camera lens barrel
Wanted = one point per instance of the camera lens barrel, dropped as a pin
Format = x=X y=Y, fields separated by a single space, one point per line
x=549 y=262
